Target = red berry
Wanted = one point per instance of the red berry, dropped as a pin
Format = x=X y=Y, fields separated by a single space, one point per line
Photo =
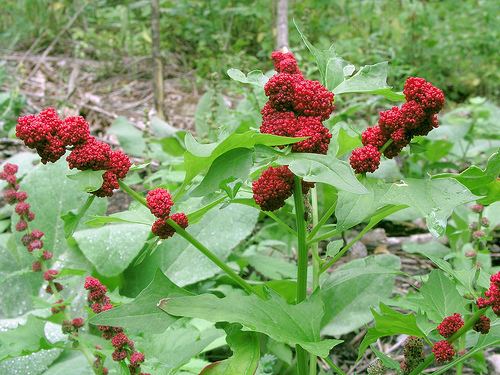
x=443 y=351
x=412 y=115
x=31 y=216
x=136 y=358
x=120 y=340
x=373 y=136
x=22 y=208
x=450 y=325
x=319 y=136
x=284 y=124
x=284 y=62
x=46 y=255
x=478 y=208
x=163 y=230
x=365 y=159
x=119 y=164
x=389 y=121
x=35 y=244
x=119 y=355
x=50 y=275
x=36 y=266
x=10 y=168
x=311 y=98
x=21 y=225
x=10 y=196
x=159 y=202
x=21 y=196
x=109 y=184
x=428 y=96
x=73 y=130
x=273 y=187
x=281 y=90
x=93 y=155
x=78 y=323
x=37 y=234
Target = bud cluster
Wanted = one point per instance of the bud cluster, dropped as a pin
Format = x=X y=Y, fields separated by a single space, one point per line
x=124 y=346
x=297 y=107
x=413 y=350
x=492 y=295
x=160 y=204
x=397 y=126
x=51 y=136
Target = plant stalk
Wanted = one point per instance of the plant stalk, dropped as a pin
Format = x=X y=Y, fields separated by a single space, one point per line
x=316 y=261
x=193 y=241
x=301 y=263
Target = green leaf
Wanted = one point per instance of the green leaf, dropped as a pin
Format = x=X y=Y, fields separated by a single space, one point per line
x=200 y=157
x=140 y=215
x=51 y=194
x=272 y=267
x=113 y=247
x=435 y=200
x=273 y=317
x=170 y=350
x=353 y=288
x=186 y=265
x=88 y=181
x=387 y=361
x=130 y=138
x=33 y=364
x=481 y=182
x=334 y=247
x=233 y=165
x=24 y=160
x=75 y=364
x=433 y=248
x=369 y=79
x=387 y=323
x=24 y=339
x=142 y=315
x=323 y=168
x=440 y=297
x=255 y=77
x=245 y=358
x=162 y=128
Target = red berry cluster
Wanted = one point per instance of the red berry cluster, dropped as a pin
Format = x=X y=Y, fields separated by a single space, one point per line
x=443 y=351
x=418 y=116
x=124 y=346
x=492 y=294
x=274 y=186
x=297 y=107
x=51 y=136
x=160 y=204
x=450 y=325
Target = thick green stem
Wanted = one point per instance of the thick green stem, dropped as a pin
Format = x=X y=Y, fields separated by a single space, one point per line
x=301 y=263
x=69 y=230
x=334 y=367
x=316 y=260
x=344 y=250
x=469 y=323
x=386 y=144
x=193 y=241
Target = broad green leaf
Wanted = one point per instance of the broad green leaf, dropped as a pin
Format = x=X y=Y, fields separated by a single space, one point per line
x=74 y=364
x=233 y=165
x=434 y=200
x=32 y=364
x=272 y=267
x=245 y=358
x=112 y=247
x=170 y=350
x=210 y=108
x=24 y=339
x=323 y=168
x=370 y=79
x=273 y=317
x=88 y=181
x=51 y=194
x=185 y=265
x=387 y=361
x=350 y=291
x=440 y=298
x=387 y=323
x=255 y=77
x=131 y=139
x=142 y=315
x=433 y=248
x=162 y=128
x=140 y=215
x=480 y=182
x=200 y=157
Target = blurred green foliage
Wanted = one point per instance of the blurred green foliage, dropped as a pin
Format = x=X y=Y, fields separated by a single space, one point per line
x=453 y=44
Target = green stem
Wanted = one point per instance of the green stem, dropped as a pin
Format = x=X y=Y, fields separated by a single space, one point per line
x=223 y=266
x=469 y=323
x=386 y=144
x=334 y=367
x=81 y=212
x=301 y=263
x=322 y=221
x=193 y=241
x=324 y=236
x=316 y=261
